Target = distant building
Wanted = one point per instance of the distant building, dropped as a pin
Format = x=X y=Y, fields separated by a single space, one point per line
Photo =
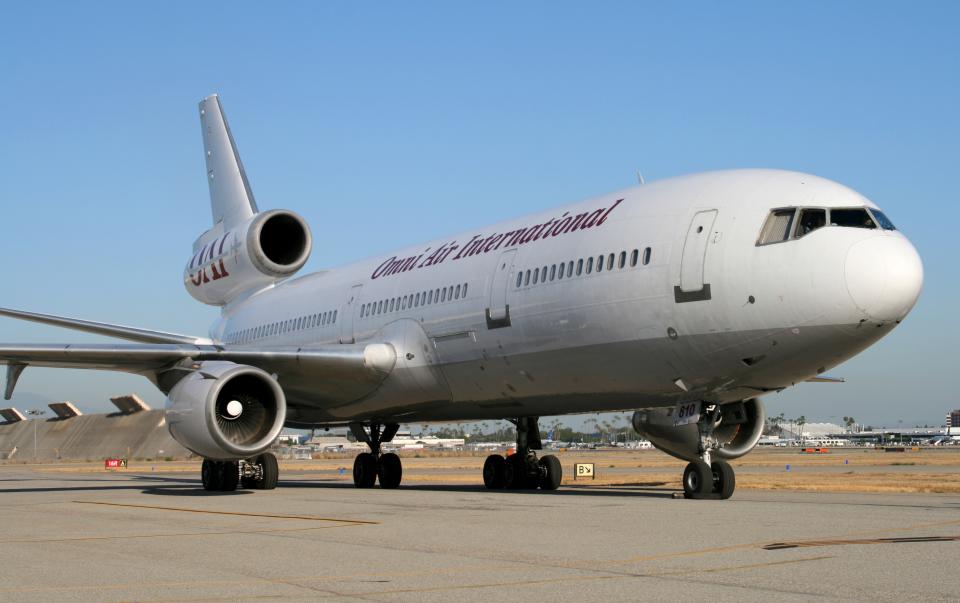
x=953 y=422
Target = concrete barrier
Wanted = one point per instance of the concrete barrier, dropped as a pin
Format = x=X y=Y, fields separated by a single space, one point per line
x=139 y=435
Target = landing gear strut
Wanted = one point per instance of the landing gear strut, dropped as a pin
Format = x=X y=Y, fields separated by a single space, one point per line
x=259 y=473
x=522 y=469
x=706 y=478
x=371 y=466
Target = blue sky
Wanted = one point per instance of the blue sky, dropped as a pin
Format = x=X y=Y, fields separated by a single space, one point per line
x=388 y=123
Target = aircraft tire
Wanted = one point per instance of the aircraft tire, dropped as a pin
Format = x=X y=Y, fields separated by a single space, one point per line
x=552 y=472
x=210 y=475
x=697 y=480
x=270 y=471
x=229 y=475
x=365 y=470
x=514 y=472
x=724 y=479
x=389 y=470
x=493 y=472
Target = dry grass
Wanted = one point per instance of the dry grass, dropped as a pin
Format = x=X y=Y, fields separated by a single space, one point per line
x=925 y=471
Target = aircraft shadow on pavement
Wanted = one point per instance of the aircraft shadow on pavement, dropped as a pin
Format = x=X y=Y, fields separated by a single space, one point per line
x=574 y=490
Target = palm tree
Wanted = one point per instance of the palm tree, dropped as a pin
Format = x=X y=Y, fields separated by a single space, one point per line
x=801 y=421
x=849 y=422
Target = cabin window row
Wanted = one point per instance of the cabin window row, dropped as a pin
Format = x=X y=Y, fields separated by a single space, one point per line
x=414 y=300
x=310 y=321
x=573 y=269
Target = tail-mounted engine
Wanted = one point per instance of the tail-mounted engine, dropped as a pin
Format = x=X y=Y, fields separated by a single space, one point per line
x=226 y=411
x=732 y=434
x=270 y=246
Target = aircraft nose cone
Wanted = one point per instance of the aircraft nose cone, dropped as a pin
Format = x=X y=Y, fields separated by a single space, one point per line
x=884 y=276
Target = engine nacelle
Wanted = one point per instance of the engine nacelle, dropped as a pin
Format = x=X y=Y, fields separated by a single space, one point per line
x=269 y=246
x=226 y=411
x=737 y=432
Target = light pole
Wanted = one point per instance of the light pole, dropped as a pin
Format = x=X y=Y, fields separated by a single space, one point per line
x=36 y=412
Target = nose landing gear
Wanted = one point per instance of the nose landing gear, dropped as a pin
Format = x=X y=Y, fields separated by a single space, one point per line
x=705 y=478
x=522 y=470
x=371 y=466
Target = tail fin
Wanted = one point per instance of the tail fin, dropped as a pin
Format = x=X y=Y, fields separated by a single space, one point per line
x=230 y=196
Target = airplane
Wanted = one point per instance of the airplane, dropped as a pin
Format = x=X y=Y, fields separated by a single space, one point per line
x=684 y=300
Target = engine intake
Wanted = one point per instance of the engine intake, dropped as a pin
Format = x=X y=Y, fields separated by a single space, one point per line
x=269 y=246
x=736 y=433
x=226 y=411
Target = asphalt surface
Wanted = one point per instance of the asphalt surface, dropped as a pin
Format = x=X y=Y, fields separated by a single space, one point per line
x=155 y=537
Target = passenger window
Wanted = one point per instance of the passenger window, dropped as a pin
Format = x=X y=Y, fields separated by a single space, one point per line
x=450 y=292
x=526 y=279
x=560 y=272
x=883 y=220
x=853 y=218
x=623 y=260
x=600 y=263
x=456 y=294
x=810 y=220
x=633 y=257
x=553 y=272
x=436 y=296
x=380 y=307
x=536 y=275
x=646 y=255
x=334 y=316
x=465 y=289
x=579 y=266
x=778 y=226
x=589 y=265
x=610 y=262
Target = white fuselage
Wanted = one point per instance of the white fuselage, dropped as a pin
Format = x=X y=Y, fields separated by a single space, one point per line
x=691 y=309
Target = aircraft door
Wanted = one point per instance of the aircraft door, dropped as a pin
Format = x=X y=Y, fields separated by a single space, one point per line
x=351 y=307
x=498 y=311
x=692 y=287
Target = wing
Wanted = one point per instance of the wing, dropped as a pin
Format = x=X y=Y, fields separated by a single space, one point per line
x=103 y=328
x=364 y=364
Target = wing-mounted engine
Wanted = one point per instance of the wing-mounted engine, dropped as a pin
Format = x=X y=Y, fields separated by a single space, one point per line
x=254 y=254
x=732 y=435
x=225 y=410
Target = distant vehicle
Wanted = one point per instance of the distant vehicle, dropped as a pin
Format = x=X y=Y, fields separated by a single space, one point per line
x=685 y=298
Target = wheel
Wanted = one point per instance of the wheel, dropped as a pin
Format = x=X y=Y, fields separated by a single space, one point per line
x=389 y=470
x=229 y=474
x=493 y=470
x=515 y=472
x=365 y=470
x=210 y=475
x=697 y=480
x=269 y=472
x=724 y=479
x=552 y=473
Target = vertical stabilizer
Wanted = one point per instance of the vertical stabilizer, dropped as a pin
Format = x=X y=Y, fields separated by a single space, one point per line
x=231 y=199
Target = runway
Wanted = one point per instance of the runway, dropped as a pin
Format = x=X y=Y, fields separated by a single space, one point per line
x=159 y=536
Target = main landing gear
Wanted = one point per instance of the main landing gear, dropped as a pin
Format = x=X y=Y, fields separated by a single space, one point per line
x=259 y=473
x=522 y=470
x=705 y=478
x=371 y=466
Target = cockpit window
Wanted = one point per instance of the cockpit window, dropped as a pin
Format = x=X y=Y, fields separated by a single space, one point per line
x=778 y=226
x=856 y=218
x=883 y=220
x=810 y=220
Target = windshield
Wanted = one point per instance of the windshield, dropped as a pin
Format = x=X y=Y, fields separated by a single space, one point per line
x=855 y=218
x=883 y=220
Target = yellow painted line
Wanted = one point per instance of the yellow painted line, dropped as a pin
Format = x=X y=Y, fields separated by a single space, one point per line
x=170 y=535
x=231 y=513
